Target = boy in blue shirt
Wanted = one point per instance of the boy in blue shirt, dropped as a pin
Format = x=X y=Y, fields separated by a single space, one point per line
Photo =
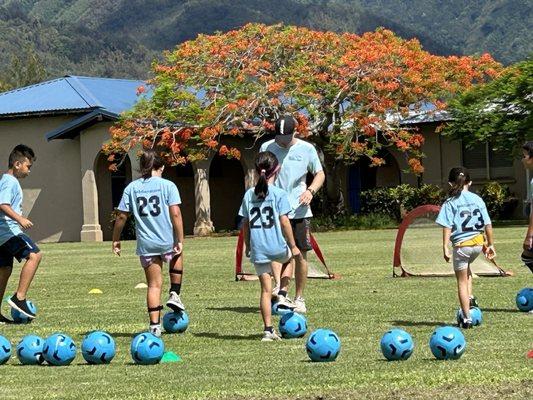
x=13 y=242
x=267 y=233
x=154 y=202
x=464 y=219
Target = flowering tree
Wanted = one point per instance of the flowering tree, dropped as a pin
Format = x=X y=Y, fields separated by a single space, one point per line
x=346 y=91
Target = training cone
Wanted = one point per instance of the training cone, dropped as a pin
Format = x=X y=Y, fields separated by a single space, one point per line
x=530 y=354
x=141 y=286
x=170 y=357
x=95 y=291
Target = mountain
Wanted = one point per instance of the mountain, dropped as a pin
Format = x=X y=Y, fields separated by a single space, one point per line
x=120 y=38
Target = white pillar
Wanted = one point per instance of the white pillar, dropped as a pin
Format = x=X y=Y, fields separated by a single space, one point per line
x=203 y=224
x=91 y=231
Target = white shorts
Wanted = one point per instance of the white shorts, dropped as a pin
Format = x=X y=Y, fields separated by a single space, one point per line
x=266 y=268
x=464 y=256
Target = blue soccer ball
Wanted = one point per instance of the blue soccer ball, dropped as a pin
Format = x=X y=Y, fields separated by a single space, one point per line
x=447 y=343
x=20 y=318
x=397 y=344
x=323 y=345
x=524 y=299
x=30 y=350
x=475 y=314
x=5 y=350
x=279 y=309
x=292 y=325
x=175 y=322
x=147 y=349
x=98 y=347
x=59 y=349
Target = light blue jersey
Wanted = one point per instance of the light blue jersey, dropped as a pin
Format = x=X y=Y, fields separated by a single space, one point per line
x=466 y=215
x=10 y=193
x=266 y=237
x=149 y=201
x=296 y=161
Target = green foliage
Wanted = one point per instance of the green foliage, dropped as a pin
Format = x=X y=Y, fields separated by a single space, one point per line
x=500 y=112
x=25 y=69
x=498 y=199
x=326 y=223
x=396 y=201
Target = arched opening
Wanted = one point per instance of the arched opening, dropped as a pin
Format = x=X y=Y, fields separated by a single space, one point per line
x=226 y=184
x=183 y=177
x=361 y=177
x=110 y=185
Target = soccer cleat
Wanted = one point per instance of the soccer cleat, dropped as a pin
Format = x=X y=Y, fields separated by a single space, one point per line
x=4 y=320
x=270 y=336
x=155 y=330
x=21 y=306
x=466 y=323
x=300 y=308
x=285 y=302
x=473 y=302
x=174 y=302
x=275 y=293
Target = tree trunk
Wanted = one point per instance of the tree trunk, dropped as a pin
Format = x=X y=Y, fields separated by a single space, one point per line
x=334 y=201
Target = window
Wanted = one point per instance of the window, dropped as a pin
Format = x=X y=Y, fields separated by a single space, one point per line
x=485 y=163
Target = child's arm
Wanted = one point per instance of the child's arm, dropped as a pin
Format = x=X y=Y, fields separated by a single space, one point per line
x=446 y=233
x=490 y=252
x=528 y=241
x=287 y=232
x=24 y=222
x=246 y=234
x=177 y=224
x=120 y=221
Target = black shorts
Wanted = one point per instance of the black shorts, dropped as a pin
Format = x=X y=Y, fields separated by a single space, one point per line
x=19 y=247
x=301 y=229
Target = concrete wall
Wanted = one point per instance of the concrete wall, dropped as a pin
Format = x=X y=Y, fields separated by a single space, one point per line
x=52 y=192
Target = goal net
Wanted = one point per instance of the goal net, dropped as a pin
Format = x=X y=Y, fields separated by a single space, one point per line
x=418 y=248
x=317 y=267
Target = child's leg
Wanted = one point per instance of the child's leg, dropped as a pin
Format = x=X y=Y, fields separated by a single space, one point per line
x=154 y=280
x=463 y=290
x=175 y=270
x=276 y=273
x=5 y=273
x=469 y=277
x=286 y=275
x=265 y=300
x=27 y=273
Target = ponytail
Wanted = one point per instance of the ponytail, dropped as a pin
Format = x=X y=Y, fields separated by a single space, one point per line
x=266 y=165
x=458 y=178
x=149 y=161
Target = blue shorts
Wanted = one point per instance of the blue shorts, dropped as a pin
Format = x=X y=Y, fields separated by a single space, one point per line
x=19 y=247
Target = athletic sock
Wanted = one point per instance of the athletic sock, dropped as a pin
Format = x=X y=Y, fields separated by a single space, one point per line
x=269 y=329
x=282 y=293
x=175 y=287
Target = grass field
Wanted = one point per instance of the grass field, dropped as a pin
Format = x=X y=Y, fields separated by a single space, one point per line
x=222 y=354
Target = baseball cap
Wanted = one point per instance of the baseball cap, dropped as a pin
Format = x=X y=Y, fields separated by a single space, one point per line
x=285 y=125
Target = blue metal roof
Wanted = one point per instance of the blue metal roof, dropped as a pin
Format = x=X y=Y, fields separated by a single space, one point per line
x=70 y=94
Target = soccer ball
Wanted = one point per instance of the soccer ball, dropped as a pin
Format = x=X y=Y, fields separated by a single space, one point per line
x=397 y=344
x=20 y=318
x=5 y=350
x=293 y=325
x=278 y=309
x=475 y=314
x=59 y=349
x=147 y=349
x=323 y=345
x=524 y=299
x=175 y=322
x=447 y=343
x=30 y=350
x=98 y=348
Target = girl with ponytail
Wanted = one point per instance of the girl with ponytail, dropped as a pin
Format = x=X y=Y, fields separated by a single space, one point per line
x=268 y=235
x=465 y=221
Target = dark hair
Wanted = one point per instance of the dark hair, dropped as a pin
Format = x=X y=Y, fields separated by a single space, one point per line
x=458 y=178
x=266 y=164
x=149 y=161
x=528 y=146
x=19 y=153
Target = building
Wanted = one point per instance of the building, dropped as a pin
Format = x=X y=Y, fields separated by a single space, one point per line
x=70 y=194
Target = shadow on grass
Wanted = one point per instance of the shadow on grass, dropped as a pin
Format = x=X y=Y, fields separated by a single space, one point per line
x=124 y=334
x=215 y=335
x=418 y=323
x=240 y=310
x=503 y=310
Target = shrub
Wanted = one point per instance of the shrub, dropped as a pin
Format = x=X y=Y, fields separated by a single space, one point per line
x=352 y=221
x=500 y=203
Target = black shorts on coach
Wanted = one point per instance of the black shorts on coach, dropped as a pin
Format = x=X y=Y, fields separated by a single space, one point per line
x=301 y=229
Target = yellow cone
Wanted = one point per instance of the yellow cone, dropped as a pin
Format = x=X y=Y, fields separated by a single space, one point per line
x=141 y=286
x=95 y=291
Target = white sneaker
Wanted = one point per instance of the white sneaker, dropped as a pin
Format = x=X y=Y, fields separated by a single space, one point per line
x=275 y=292
x=270 y=336
x=174 y=302
x=285 y=302
x=155 y=330
x=299 y=303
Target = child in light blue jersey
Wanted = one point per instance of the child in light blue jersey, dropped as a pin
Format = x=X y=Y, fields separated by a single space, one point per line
x=464 y=219
x=267 y=233
x=13 y=242
x=154 y=202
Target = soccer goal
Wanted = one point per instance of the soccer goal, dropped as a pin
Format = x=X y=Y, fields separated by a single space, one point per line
x=317 y=267
x=418 y=248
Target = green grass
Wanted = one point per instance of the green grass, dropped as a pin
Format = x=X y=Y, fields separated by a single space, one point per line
x=222 y=354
